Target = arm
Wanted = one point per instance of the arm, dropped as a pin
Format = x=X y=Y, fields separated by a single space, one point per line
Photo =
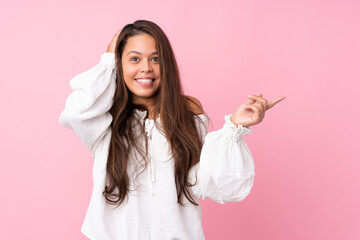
x=86 y=108
x=226 y=170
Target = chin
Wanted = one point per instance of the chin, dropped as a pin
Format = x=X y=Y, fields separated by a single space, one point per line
x=145 y=95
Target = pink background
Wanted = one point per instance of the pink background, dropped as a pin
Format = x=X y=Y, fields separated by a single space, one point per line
x=306 y=150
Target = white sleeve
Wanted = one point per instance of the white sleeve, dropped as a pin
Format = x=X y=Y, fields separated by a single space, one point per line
x=87 y=107
x=226 y=170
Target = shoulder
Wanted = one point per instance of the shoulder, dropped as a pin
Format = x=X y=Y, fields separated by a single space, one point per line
x=194 y=105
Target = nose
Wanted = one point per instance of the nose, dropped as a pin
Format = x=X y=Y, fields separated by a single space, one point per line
x=146 y=67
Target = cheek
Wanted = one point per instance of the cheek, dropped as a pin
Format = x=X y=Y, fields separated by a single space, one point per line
x=128 y=76
x=157 y=69
x=128 y=71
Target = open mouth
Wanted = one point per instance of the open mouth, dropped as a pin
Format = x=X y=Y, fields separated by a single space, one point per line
x=145 y=80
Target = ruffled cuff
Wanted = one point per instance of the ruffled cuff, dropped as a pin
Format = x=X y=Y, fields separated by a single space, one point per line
x=108 y=59
x=236 y=132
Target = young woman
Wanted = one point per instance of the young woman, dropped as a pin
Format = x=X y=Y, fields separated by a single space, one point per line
x=153 y=157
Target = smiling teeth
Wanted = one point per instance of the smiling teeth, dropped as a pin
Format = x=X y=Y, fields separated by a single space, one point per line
x=144 y=80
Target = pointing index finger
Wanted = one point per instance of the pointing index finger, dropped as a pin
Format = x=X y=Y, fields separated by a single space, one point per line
x=275 y=101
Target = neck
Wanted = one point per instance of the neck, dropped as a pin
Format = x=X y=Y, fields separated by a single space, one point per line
x=147 y=103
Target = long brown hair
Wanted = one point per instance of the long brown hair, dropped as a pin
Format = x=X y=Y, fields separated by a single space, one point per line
x=177 y=119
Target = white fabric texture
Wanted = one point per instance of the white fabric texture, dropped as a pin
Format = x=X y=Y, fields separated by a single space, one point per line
x=225 y=172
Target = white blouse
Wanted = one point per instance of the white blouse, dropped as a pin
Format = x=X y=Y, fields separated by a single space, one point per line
x=225 y=172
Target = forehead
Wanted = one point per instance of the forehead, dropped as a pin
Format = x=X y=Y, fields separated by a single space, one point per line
x=142 y=43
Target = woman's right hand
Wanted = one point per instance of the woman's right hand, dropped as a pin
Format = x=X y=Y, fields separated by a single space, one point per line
x=112 y=44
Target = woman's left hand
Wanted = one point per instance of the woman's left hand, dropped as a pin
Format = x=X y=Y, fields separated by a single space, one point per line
x=253 y=110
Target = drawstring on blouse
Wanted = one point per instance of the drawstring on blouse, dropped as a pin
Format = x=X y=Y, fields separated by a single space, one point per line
x=149 y=126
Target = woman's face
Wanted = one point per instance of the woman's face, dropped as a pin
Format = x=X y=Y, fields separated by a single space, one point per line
x=141 y=68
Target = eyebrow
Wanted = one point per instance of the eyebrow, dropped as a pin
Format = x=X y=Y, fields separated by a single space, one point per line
x=140 y=52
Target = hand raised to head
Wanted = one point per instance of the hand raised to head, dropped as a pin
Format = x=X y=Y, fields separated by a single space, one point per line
x=112 y=44
x=253 y=110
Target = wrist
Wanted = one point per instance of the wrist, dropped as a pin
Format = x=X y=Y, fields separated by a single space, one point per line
x=110 y=49
x=238 y=123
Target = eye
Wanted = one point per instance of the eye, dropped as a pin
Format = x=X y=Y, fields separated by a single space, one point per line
x=156 y=59
x=133 y=58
